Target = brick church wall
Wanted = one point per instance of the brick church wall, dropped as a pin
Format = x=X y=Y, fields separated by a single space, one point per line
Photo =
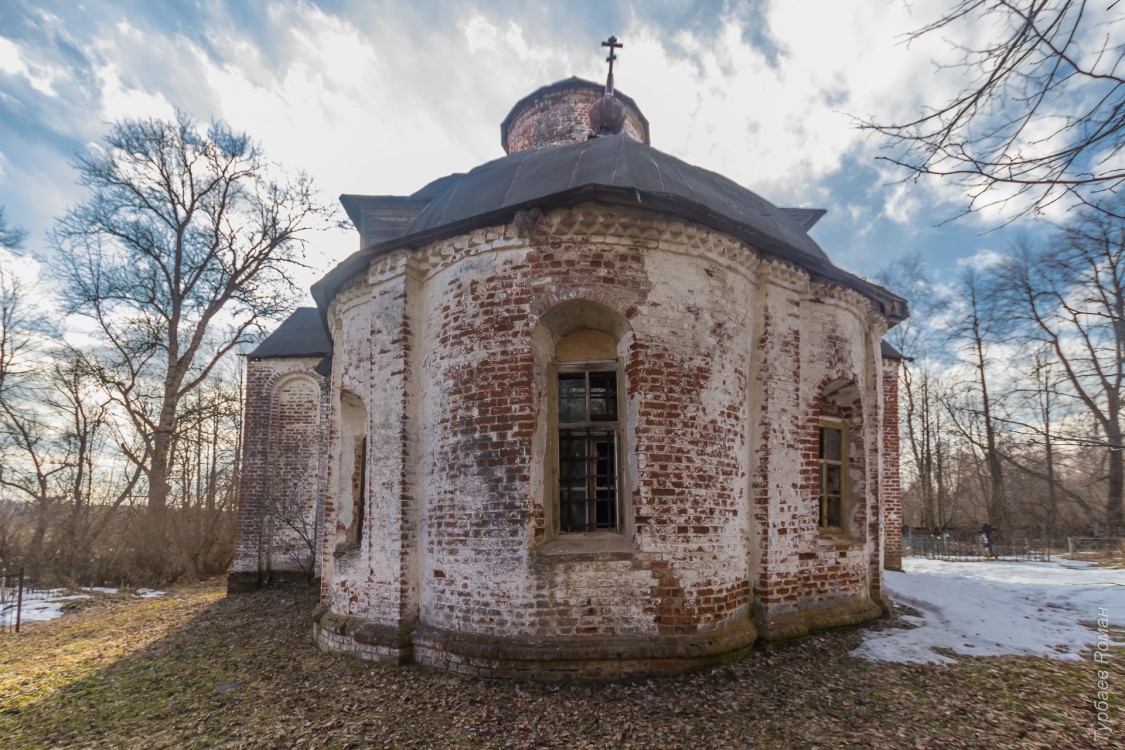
x=562 y=116
x=892 y=486
x=282 y=470
x=724 y=356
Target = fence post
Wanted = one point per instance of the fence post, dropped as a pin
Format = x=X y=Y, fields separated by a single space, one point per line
x=19 y=600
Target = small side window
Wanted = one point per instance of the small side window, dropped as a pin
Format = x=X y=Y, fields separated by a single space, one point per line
x=831 y=466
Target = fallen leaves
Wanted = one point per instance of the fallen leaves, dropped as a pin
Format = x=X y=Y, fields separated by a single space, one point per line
x=199 y=669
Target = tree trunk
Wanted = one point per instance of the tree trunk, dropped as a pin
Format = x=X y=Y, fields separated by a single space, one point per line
x=1052 y=491
x=1116 y=482
x=997 y=506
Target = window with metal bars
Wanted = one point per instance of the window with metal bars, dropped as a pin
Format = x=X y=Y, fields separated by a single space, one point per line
x=831 y=464
x=588 y=447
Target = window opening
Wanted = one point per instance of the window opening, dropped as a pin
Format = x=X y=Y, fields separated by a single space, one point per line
x=588 y=447
x=831 y=461
x=359 y=492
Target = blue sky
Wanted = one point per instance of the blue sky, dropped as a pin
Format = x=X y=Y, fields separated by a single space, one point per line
x=380 y=97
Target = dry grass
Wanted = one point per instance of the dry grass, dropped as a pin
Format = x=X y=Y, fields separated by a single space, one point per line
x=158 y=673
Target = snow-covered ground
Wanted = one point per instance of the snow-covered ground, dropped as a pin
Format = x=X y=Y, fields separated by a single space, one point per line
x=40 y=606
x=990 y=608
x=38 y=610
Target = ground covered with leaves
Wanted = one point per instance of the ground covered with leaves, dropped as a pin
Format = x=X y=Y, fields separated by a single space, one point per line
x=198 y=669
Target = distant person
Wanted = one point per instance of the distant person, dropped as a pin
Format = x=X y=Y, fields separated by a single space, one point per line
x=986 y=531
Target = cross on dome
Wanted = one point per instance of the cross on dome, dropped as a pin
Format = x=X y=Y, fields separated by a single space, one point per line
x=613 y=45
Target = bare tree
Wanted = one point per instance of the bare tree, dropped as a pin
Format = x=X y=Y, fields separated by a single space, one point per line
x=182 y=250
x=206 y=457
x=1042 y=115
x=90 y=492
x=976 y=330
x=921 y=409
x=52 y=448
x=26 y=468
x=1070 y=294
x=291 y=520
x=18 y=326
x=1044 y=395
x=11 y=238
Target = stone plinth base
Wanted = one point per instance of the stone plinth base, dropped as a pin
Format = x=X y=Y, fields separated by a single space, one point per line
x=241 y=582
x=356 y=636
x=538 y=658
x=777 y=629
x=586 y=657
x=592 y=657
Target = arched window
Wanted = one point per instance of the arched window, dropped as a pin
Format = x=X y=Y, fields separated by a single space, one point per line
x=582 y=439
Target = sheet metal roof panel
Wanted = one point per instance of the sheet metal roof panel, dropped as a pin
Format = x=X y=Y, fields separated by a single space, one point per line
x=540 y=172
x=527 y=177
x=595 y=164
x=302 y=334
x=614 y=169
x=888 y=351
x=432 y=189
x=806 y=217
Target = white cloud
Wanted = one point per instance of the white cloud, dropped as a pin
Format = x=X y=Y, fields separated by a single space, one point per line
x=381 y=99
x=13 y=62
x=903 y=203
x=981 y=260
x=121 y=101
x=24 y=268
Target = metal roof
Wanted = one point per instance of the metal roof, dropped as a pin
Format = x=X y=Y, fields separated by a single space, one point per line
x=302 y=334
x=888 y=351
x=611 y=169
x=613 y=161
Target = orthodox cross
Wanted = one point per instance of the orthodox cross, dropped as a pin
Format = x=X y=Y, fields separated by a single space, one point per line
x=613 y=45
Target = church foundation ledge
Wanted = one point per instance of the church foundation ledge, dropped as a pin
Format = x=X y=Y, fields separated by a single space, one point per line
x=244 y=581
x=362 y=638
x=886 y=606
x=587 y=657
x=777 y=629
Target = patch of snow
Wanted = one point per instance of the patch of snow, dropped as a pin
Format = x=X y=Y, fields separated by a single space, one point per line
x=147 y=593
x=100 y=589
x=992 y=608
x=41 y=610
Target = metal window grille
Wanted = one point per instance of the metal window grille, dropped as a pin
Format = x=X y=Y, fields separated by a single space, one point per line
x=831 y=464
x=588 y=447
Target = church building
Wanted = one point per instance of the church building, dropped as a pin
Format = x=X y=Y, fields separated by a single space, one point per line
x=585 y=410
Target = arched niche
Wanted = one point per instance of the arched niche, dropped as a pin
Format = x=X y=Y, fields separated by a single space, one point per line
x=583 y=446
x=292 y=519
x=351 y=492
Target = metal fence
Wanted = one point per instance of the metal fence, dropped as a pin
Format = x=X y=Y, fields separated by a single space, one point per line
x=972 y=548
x=22 y=592
x=1095 y=547
x=11 y=599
